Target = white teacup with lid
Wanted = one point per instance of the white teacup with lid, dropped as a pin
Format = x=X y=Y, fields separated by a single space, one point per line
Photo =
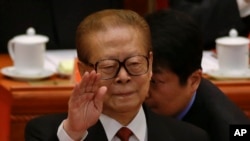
x=233 y=54
x=27 y=52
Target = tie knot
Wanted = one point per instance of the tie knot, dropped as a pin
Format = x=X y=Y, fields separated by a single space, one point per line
x=124 y=133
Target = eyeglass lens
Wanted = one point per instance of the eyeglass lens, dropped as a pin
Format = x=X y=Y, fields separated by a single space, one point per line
x=136 y=65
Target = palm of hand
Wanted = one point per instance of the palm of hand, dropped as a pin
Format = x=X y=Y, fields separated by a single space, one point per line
x=85 y=104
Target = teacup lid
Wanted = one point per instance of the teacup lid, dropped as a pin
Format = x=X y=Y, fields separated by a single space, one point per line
x=233 y=39
x=31 y=37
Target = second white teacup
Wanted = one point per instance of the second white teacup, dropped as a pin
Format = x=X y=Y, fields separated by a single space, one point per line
x=27 y=52
x=233 y=54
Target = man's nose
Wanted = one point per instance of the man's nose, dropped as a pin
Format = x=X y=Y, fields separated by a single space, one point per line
x=123 y=75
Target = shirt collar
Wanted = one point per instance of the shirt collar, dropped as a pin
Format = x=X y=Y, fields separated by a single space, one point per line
x=184 y=112
x=111 y=126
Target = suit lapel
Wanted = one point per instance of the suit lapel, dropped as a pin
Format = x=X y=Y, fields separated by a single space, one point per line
x=96 y=133
x=157 y=130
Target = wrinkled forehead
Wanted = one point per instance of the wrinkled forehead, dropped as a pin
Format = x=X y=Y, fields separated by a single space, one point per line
x=107 y=22
x=119 y=35
x=117 y=42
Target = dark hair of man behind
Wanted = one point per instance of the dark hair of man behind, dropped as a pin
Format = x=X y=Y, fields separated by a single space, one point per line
x=176 y=42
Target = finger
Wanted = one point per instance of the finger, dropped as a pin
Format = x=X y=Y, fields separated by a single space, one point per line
x=91 y=81
x=96 y=83
x=99 y=97
x=79 y=88
x=84 y=81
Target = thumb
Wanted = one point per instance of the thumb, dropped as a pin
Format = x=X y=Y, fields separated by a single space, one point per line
x=98 y=100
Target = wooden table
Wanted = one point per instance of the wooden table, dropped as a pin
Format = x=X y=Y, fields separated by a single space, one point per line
x=20 y=101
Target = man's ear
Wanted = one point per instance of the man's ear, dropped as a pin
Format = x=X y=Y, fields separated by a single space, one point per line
x=195 y=79
x=83 y=67
x=80 y=68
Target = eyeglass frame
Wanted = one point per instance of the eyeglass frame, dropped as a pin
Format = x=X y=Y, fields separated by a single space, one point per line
x=121 y=64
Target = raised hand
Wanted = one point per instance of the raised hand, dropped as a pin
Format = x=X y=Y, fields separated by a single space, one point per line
x=85 y=105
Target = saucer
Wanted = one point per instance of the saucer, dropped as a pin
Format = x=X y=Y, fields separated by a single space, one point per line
x=218 y=74
x=13 y=73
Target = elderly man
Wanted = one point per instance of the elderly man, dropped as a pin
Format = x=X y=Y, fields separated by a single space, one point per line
x=114 y=49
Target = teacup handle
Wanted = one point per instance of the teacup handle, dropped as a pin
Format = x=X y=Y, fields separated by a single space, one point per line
x=11 y=49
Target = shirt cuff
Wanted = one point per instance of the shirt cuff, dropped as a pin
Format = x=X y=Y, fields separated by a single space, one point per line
x=244 y=8
x=63 y=136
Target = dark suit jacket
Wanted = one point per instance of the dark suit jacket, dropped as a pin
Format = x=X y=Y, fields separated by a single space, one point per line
x=214 y=112
x=216 y=17
x=159 y=129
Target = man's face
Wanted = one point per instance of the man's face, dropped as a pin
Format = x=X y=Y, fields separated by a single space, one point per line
x=125 y=93
x=166 y=95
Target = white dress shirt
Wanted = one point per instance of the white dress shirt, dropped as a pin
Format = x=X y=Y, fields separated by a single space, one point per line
x=138 y=126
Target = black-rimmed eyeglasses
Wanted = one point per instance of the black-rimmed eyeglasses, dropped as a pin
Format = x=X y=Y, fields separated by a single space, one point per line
x=109 y=68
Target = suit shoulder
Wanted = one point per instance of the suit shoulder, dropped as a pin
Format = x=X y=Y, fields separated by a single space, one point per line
x=186 y=131
x=43 y=127
x=166 y=128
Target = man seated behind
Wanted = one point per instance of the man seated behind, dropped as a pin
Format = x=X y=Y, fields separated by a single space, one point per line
x=177 y=88
x=114 y=50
